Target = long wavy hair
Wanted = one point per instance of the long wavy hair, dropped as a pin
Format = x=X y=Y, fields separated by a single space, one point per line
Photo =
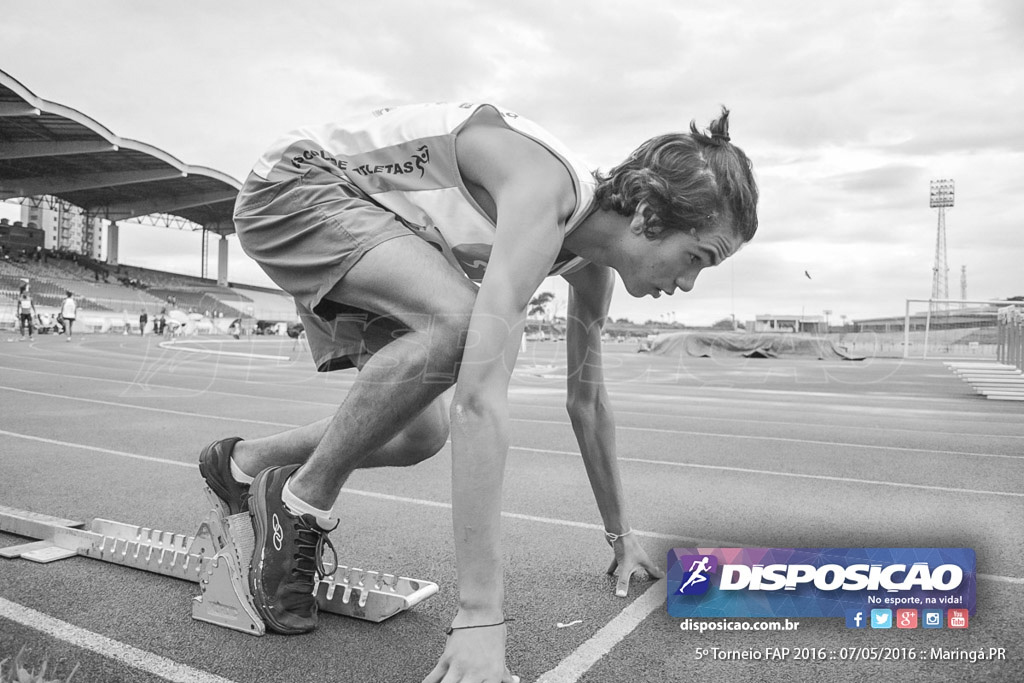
x=687 y=181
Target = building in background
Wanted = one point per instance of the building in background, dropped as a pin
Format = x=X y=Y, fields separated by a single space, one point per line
x=769 y=322
x=66 y=226
x=16 y=237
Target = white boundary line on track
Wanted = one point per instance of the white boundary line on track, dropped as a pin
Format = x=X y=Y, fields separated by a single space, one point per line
x=570 y=668
x=705 y=400
x=133 y=406
x=182 y=346
x=151 y=663
x=655 y=430
x=667 y=463
x=797 y=475
x=787 y=439
x=608 y=636
x=341 y=384
x=703 y=542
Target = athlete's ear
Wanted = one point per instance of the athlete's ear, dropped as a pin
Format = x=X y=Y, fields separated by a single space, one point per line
x=638 y=224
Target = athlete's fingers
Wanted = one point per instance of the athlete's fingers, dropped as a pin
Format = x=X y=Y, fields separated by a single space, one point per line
x=613 y=566
x=653 y=570
x=622 y=585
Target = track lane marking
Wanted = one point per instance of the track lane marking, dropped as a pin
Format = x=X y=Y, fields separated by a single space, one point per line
x=666 y=463
x=439 y=504
x=151 y=663
x=607 y=637
x=591 y=650
x=745 y=470
x=654 y=430
x=891 y=413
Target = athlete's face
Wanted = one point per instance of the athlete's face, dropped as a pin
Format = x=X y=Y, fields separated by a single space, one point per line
x=674 y=258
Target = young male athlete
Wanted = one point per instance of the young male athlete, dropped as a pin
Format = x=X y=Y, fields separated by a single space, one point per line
x=379 y=227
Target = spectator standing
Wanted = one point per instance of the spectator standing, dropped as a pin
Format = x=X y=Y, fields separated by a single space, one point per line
x=26 y=313
x=69 y=311
x=143 y=319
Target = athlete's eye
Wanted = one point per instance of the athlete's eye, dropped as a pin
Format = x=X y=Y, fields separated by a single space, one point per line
x=694 y=258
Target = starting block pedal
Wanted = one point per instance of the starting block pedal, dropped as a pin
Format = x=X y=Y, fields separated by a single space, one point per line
x=217 y=558
x=225 y=599
x=370 y=595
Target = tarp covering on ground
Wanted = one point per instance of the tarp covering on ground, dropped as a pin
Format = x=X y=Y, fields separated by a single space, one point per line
x=753 y=345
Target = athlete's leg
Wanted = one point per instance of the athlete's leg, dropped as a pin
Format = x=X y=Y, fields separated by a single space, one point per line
x=421 y=438
x=406 y=279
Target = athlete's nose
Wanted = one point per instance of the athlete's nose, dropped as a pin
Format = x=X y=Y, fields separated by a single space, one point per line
x=685 y=282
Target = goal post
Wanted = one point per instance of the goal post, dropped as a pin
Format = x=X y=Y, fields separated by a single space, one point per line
x=956 y=329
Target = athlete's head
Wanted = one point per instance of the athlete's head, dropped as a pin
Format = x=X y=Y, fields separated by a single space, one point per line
x=692 y=202
x=685 y=181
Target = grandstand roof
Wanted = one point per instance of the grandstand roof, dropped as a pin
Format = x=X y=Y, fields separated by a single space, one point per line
x=51 y=149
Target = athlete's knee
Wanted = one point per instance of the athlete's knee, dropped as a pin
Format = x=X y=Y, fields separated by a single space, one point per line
x=446 y=341
x=423 y=439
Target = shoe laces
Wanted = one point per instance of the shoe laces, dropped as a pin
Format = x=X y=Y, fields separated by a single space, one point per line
x=310 y=543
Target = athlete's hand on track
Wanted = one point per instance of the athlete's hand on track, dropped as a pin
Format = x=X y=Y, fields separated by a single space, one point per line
x=629 y=558
x=473 y=655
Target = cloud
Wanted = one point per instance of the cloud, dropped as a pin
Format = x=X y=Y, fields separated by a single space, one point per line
x=847 y=110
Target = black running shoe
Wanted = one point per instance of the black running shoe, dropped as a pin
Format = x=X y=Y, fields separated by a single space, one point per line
x=229 y=496
x=288 y=556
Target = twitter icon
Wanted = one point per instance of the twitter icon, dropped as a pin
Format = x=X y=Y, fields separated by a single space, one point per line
x=881 y=618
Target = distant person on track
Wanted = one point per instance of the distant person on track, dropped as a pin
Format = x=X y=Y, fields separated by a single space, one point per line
x=381 y=228
x=69 y=311
x=143 y=319
x=26 y=313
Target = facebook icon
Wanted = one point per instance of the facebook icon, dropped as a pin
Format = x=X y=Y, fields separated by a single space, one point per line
x=855 y=618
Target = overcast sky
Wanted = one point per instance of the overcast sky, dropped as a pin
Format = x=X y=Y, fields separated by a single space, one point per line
x=847 y=109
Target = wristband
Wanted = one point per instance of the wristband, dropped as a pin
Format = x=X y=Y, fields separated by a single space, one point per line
x=448 y=631
x=611 y=538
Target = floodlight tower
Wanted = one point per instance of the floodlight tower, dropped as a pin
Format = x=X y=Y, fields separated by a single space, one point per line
x=941 y=198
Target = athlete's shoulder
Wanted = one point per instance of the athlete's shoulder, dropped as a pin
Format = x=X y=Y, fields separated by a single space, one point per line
x=490 y=153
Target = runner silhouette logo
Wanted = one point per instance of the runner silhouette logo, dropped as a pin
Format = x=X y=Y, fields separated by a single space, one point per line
x=696 y=580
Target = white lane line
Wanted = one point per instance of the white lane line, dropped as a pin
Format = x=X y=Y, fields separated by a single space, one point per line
x=182 y=346
x=133 y=406
x=154 y=664
x=339 y=383
x=1002 y=579
x=690 y=540
x=795 y=475
x=96 y=449
x=702 y=542
x=722 y=468
x=786 y=439
x=186 y=392
x=601 y=642
x=607 y=637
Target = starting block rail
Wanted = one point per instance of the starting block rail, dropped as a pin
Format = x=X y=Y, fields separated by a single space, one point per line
x=217 y=558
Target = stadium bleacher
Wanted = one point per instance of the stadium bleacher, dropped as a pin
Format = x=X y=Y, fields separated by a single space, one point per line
x=120 y=293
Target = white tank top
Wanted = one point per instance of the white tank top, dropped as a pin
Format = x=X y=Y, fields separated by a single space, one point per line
x=404 y=159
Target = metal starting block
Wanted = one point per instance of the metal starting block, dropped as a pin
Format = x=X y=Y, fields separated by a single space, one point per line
x=217 y=558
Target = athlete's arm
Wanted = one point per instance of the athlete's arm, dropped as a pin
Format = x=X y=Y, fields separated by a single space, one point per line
x=531 y=193
x=591 y=415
